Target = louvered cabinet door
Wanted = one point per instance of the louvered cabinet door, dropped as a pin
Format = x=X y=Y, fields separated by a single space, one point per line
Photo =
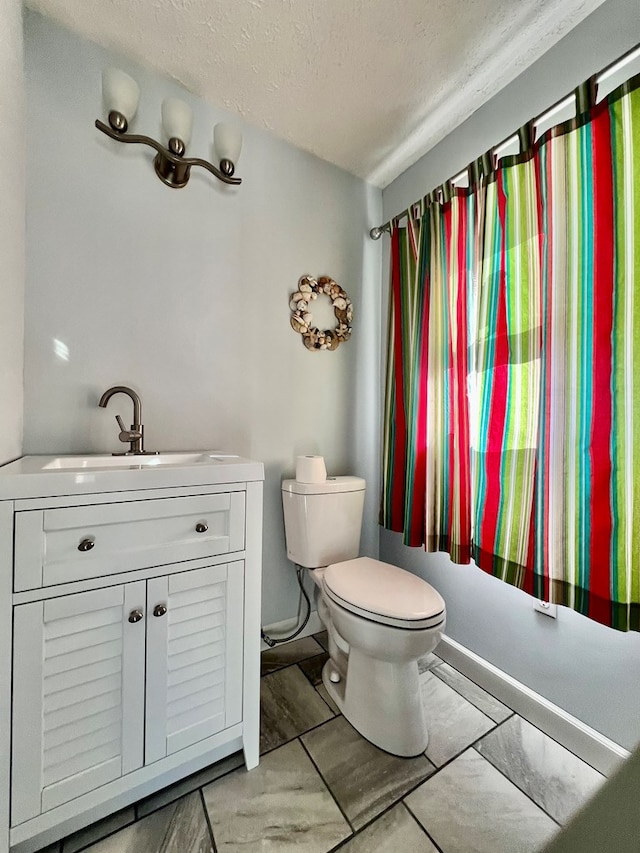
x=78 y=695
x=194 y=657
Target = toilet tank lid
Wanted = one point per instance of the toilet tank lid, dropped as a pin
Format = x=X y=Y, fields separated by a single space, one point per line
x=330 y=486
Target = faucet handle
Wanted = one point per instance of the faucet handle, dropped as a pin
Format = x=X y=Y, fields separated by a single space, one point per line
x=127 y=434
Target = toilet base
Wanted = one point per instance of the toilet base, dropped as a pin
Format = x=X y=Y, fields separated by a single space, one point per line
x=382 y=702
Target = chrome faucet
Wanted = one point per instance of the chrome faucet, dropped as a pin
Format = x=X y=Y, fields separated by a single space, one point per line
x=135 y=435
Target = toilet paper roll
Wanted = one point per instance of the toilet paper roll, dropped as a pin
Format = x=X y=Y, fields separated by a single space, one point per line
x=311 y=469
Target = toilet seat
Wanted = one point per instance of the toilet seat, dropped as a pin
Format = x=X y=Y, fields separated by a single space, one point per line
x=384 y=594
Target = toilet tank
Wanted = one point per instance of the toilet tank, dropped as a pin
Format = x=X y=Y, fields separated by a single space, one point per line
x=322 y=521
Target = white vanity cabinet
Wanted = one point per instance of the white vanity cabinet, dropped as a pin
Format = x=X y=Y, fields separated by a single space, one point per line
x=124 y=676
x=135 y=640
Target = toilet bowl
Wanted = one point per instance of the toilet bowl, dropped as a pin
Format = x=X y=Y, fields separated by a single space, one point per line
x=380 y=619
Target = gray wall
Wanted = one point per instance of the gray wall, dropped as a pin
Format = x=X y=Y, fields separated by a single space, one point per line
x=183 y=294
x=12 y=237
x=590 y=671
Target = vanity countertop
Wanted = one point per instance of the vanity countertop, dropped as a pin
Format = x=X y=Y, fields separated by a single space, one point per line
x=40 y=476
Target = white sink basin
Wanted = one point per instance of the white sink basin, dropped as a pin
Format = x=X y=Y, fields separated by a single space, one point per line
x=77 y=463
x=90 y=473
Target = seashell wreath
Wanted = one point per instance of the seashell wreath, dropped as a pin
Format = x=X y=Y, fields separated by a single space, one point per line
x=302 y=320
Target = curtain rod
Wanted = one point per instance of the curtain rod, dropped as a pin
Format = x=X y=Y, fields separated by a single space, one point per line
x=378 y=230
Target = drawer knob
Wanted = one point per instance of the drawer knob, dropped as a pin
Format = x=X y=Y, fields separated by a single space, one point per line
x=202 y=527
x=159 y=610
x=86 y=544
x=136 y=615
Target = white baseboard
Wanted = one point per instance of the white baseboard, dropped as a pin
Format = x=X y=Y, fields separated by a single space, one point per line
x=588 y=744
x=278 y=629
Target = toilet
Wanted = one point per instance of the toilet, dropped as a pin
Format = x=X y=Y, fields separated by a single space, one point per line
x=380 y=619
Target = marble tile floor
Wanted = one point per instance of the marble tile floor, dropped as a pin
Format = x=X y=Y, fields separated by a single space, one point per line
x=489 y=781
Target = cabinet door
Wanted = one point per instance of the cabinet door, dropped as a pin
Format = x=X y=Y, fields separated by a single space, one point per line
x=78 y=695
x=194 y=657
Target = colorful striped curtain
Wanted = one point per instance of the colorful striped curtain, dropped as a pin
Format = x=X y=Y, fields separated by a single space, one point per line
x=508 y=376
x=432 y=313
x=588 y=492
x=512 y=414
x=405 y=398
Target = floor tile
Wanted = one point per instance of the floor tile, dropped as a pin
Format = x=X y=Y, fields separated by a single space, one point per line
x=98 y=830
x=287 y=653
x=554 y=778
x=452 y=722
x=363 y=779
x=470 y=806
x=322 y=690
x=428 y=662
x=281 y=806
x=312 y=667
x=395 y=831
x=487 y=703
x=191 y=783
x=178 y=828
x=289 y=706
x=323 y=638
x=506 y=795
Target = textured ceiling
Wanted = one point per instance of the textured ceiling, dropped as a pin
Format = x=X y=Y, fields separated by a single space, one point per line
x=369 y=85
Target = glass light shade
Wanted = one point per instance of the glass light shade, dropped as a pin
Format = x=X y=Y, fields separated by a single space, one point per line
x=120 y=92
x=177 y=119
x=227 y=142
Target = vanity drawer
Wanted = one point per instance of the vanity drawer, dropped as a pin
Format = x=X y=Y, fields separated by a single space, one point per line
x=56 y=546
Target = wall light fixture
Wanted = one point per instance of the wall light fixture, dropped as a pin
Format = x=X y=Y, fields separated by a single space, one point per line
x=121 y=94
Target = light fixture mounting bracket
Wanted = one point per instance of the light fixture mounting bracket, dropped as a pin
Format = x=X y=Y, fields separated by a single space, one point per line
x=172 y=169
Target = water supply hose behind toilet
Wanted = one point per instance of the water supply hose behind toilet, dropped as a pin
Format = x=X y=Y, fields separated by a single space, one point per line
x=270 y=641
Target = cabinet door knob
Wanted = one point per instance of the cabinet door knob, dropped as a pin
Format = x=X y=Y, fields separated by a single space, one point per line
x=202 y=527
x=86 y=544
x=159 y=610
x=136 y=615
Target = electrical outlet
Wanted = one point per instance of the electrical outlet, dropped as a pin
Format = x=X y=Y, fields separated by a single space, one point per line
x=546 y=608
